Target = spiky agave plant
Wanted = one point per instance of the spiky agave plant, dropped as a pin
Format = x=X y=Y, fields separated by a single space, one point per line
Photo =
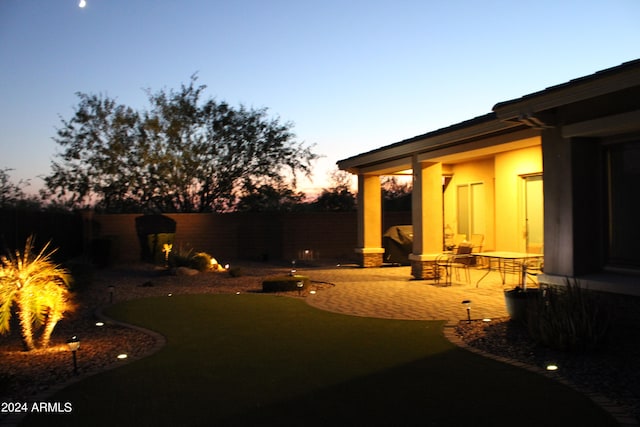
x=36 y=289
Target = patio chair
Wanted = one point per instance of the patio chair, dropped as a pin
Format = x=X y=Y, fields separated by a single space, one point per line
x=531 y=269
x=477 y=240
x=458 y=239
x=446 y=263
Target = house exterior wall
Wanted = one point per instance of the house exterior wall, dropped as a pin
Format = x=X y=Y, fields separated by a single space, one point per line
x=501 y=176
x=479 y=171
x=510 y=167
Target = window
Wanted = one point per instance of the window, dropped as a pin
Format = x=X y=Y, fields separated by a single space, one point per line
x=623 y=184
x=471 y=209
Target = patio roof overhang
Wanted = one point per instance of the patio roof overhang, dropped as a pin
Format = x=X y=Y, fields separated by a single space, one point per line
x=535 y=109
x=476 y=138
x=512 y=123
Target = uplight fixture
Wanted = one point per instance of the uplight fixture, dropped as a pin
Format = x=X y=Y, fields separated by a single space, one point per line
x=122 y=356
x=552 y=367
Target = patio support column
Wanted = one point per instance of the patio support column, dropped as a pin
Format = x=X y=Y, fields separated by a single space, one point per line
x=369 y=248
x=427 y=208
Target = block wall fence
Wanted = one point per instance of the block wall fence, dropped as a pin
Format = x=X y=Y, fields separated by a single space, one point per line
x=248 y=236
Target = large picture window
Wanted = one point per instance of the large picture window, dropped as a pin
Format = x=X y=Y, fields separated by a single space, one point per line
x=623 y=176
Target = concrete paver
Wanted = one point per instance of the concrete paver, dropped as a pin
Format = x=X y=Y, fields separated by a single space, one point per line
x=391 y=292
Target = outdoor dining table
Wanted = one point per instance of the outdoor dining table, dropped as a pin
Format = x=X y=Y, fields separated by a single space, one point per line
x=506 y=262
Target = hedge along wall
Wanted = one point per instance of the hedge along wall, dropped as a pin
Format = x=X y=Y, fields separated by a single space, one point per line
x=251 y=236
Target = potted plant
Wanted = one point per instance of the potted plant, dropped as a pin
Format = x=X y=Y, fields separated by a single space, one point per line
x=520 y=299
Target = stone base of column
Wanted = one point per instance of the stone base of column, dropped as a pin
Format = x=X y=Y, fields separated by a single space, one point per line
x=370 y=257
x=422 y=266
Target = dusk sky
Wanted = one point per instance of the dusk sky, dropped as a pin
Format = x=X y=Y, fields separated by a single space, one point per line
x=351 y=75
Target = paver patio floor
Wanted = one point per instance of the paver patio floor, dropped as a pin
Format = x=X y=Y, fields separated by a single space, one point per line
x=392 y=293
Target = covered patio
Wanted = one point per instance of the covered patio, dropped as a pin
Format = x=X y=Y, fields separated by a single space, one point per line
x=485 y=176
x=480 y=178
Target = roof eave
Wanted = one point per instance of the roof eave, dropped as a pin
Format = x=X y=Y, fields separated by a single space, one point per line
x=481 y=126
x=601 y=83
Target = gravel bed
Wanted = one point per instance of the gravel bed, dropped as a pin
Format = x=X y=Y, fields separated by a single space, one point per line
x=610 y=372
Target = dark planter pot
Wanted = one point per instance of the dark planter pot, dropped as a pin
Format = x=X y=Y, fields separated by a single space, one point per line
x=519 y=302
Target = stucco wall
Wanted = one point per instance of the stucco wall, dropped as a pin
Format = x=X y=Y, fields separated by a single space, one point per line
x=501 y=176
x=479 y=171
x=260 y=236
x=509 y=169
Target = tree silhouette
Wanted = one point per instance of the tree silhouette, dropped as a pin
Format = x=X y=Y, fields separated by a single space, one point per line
x=182 y=154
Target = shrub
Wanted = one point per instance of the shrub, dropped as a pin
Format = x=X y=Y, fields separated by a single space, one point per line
x=201 y=261
x=569 y=318
x=180 y=257
x=39 y=290
x=285 y=283
x=157 y=243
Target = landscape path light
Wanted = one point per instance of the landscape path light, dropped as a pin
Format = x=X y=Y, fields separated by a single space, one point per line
x=467 y=303
x=293 y=268
x=111 y=290
x=73 y=344
x=300 y=285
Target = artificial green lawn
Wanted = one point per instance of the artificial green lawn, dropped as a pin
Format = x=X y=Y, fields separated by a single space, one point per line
x=269 y=360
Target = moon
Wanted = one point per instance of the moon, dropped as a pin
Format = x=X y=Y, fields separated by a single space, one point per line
x=82 y=3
